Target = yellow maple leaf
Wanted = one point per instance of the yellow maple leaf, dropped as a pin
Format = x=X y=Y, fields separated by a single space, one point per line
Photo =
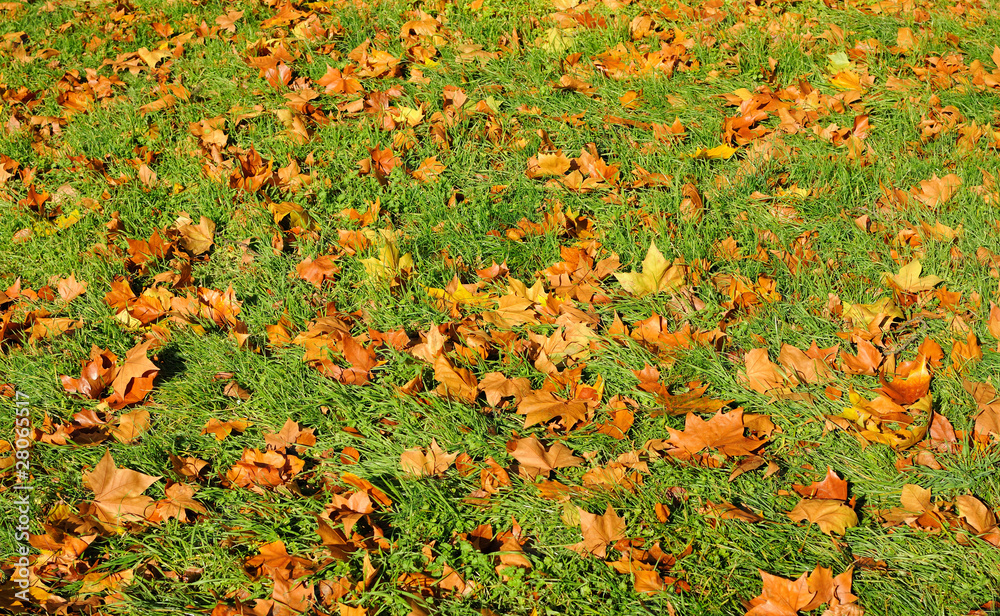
x=556 y=40
x=457 y=294
x=866 y=313
x=390 y=263
x=908 y=279
x=846 y=80
x=719 y=151
x=657 y=275
x=65 y=221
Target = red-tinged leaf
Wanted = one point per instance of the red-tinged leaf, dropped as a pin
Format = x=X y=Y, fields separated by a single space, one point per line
x=867 y=361
x=912 y=382
x=95 y=375
x=832 y=487
x=134 y=379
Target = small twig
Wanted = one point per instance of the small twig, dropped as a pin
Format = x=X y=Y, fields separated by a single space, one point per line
x=908 y=342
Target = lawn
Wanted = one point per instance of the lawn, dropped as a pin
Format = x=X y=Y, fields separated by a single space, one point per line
x=532 y=308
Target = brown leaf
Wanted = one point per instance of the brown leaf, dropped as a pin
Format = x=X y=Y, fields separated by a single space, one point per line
x=965 y=352
x=544 y=406
x=532 y=453
x=979 y=517
x=95 y=376
x=802 y=367
x=429 y=170
x=233 y=390
x=567 y=82
x=289 y=436
x=916 y=499
x=118 y=492
x=599 y=531
x=316 y=272
x=867 y=361
x=456 y=383
x=496 y=386
x=848 y=609
x=761 y=375
x=729 y=511
x=993 y=324
x=131 y=425
x=188 y=466
x=723 y=431
x=831 y=590
x=912 y=382
x=936 y=191
x=434 y=461
x=988 y=419
x=179 y=500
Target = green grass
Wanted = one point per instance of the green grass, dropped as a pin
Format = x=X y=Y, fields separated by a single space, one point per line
x=457 y=224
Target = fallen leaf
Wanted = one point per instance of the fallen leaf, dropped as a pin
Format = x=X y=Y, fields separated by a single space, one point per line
x=134 y=379
x=543 y=406
x=718 y=152
x=657 y=275
x=221 y=429
x=599 y=531
x=196 y=239
x=118 y=492
x=69 y=289
x=832 y=487
x=418 y=463
x=781 y=597
x=908 y=279
x=723 y=431
x=531 y=452
x=832 y=516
